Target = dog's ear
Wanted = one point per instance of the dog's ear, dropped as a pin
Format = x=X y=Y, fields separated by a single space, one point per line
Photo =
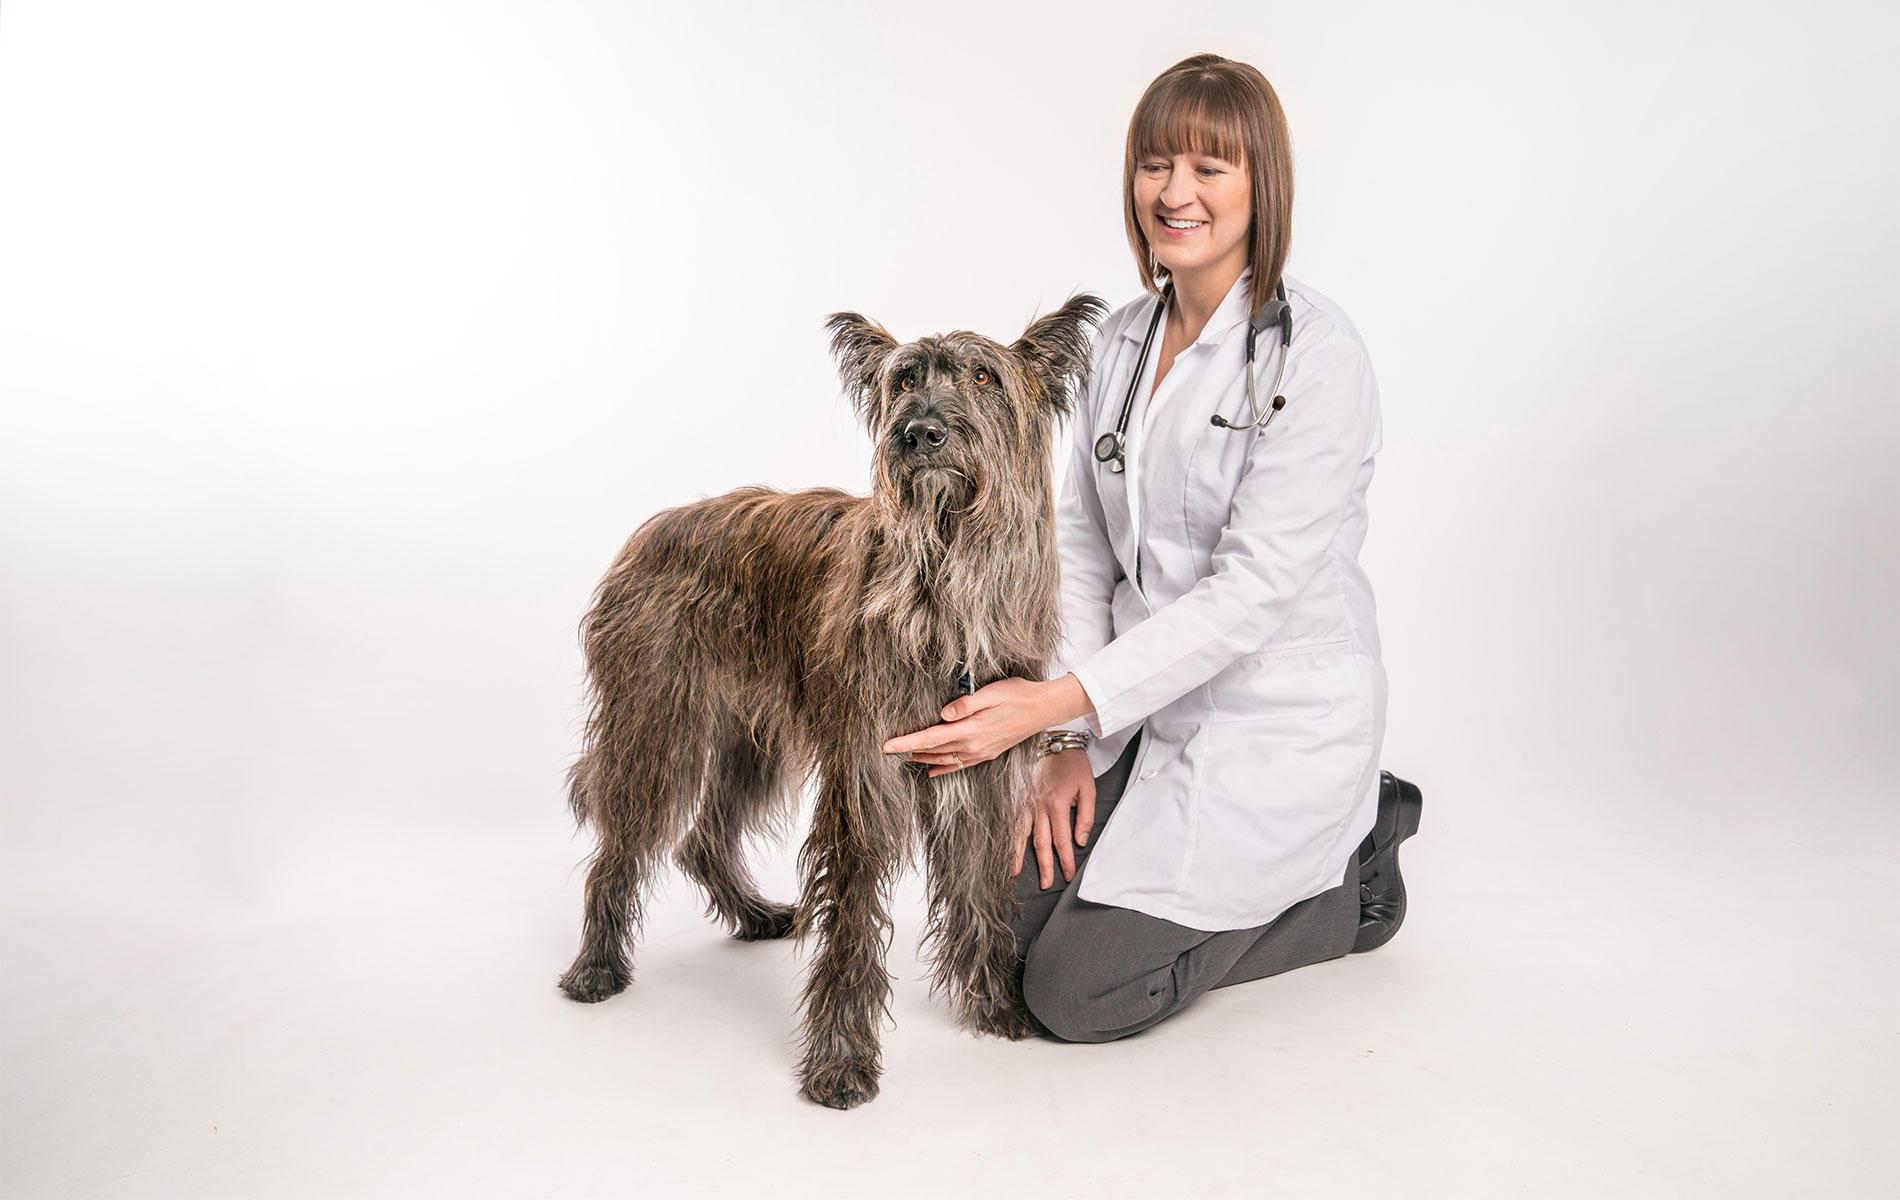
x=859 y=345
x=1056 y=349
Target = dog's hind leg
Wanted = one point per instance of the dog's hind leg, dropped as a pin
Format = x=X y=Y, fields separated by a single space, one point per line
x=604 y=966
x=632 y=818
x=742 y=794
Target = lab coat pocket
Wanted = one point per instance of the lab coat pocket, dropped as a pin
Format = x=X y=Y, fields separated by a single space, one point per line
x=1305 y=681
x=1143 y=851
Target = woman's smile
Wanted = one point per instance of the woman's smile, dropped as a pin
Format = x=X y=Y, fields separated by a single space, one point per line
x=1171 y=228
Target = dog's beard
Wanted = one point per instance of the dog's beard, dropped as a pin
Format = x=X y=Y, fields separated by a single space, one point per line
x=939 y=490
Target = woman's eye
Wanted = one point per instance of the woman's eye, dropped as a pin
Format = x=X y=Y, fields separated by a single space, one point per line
x=981 y=376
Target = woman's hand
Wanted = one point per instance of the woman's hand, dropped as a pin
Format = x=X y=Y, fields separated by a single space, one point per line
x=982 y=725
x=1064 y=782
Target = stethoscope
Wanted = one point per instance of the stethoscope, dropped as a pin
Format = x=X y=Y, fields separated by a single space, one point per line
x=1110 y=447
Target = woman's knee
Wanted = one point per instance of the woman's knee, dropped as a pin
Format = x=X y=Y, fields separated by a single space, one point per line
x=1076 y=1008
x=1052 y=1000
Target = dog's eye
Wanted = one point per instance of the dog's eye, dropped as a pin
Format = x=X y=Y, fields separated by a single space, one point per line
x=981 y=376
x=905 y=383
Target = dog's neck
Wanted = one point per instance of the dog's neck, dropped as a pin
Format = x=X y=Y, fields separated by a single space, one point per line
x=976 y=588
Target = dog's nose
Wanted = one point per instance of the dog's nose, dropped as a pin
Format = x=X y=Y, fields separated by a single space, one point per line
x=924 y=435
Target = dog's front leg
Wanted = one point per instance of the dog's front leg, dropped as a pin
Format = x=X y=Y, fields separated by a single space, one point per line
x=845 y=868
x=969 y=822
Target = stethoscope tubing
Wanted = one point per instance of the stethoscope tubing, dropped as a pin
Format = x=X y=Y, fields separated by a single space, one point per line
x=1111 y=448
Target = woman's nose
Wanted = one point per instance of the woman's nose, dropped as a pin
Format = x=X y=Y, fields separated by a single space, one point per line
x=1178 y=192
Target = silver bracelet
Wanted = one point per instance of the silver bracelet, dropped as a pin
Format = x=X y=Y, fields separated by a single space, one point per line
x=1057 y=740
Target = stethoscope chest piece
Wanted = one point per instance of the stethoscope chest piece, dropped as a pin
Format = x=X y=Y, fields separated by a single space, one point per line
x=1108 y=449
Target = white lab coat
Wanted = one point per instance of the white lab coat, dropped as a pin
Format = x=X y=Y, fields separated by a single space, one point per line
x=1249 y=654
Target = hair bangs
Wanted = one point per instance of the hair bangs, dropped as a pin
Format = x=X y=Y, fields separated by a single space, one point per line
x=1192 y=116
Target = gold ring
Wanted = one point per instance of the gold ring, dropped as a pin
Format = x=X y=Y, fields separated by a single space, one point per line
x=958 y=758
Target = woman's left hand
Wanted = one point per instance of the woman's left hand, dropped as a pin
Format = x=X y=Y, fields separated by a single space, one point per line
x=978 y=727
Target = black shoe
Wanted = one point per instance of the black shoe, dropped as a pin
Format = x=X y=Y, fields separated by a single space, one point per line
x=1381 y=887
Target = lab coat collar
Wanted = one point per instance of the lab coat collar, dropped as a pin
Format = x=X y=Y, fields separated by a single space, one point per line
x=1231 y=311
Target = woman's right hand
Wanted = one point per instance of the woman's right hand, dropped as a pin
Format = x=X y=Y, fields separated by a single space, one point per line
x=1063 y=783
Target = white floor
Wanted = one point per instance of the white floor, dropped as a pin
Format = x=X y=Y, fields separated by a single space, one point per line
x=1578 y=1005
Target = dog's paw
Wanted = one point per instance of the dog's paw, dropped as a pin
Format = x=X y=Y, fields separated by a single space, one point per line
x=592 y=982
x=774 y=921
x=844 y=1084
x=1011 y=1021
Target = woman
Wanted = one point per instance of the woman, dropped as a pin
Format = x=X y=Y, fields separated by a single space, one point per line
x=1212 y=596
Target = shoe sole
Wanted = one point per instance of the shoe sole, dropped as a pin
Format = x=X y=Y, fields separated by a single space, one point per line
x=1410 y=807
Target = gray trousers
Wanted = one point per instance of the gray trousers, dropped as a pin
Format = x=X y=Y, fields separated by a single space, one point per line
x=1095 y=972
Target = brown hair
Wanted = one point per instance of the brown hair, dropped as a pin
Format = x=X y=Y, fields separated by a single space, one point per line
x=1211 y=105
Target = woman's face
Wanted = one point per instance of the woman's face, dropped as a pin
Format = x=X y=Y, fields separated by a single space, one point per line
x=1210 y=197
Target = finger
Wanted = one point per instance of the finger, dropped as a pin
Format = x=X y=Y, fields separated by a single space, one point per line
x=955 y=759
x=945 y=764
x=1085 y=812
x=924 y=739
x=982 y=698
x=947 y=751
x=1065 y=851
x=962 y=707
x=1045 y=867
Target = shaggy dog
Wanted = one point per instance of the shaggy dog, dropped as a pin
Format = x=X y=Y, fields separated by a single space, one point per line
x=745 y=643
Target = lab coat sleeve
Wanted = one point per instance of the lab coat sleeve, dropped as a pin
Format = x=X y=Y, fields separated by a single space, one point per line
x=1287 y=508
x=1088 y=566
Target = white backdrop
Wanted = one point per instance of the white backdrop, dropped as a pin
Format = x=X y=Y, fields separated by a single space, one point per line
x=341 y=345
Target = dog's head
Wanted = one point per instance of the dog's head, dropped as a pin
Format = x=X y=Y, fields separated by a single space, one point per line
x=960 y=420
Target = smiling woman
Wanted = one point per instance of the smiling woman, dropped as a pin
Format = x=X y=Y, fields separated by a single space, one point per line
x=1220 y=658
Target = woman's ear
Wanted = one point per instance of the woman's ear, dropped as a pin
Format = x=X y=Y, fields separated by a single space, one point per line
x=860 y=346
x=1055 y=350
